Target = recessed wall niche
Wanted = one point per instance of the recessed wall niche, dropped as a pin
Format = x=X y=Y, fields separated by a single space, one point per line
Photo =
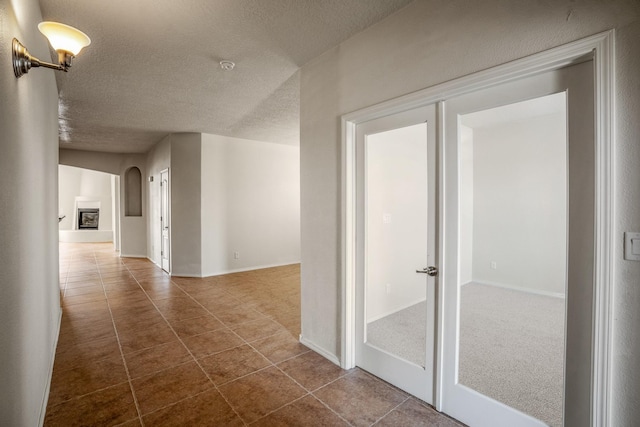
x=133 y=192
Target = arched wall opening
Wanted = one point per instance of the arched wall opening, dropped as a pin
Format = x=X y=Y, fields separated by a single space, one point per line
x=133 y=192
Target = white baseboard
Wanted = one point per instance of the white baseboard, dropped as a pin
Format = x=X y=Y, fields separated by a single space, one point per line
x=132 y=255
x=240 y=270
x=395 y=310
x=517 y=288
x=85 y=236
x=45 y=397
x=197 y=276
x=222 y=272
x=322 y=352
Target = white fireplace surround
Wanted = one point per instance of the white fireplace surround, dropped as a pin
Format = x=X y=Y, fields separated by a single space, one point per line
x=86 y=235
x=84 y=203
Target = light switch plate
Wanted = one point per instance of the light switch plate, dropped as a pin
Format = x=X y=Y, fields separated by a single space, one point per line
x=632 y=246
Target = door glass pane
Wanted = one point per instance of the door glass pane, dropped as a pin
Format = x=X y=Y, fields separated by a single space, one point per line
x=513 y=247
x=396 y=242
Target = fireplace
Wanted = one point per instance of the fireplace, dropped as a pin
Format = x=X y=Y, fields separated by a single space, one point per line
x=88 y=218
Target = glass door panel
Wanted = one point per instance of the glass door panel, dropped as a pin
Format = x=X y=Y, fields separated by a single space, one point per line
x=513 y=266
x=396 y=242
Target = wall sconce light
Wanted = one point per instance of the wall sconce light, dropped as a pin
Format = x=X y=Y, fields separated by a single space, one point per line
x=66 y=40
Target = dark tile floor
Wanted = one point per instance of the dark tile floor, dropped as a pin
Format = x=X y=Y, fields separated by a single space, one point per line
x=138 y=347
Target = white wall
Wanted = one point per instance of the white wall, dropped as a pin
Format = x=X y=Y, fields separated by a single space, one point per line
x=216 y=256
x=250 y=204
x=396 y=226
x=186 y=229
x=520 y=204
x=86 y=184
x=227 y=195
x=29 y=288
x=437 y=41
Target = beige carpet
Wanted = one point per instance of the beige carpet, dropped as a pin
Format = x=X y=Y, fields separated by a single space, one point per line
x=511 y=346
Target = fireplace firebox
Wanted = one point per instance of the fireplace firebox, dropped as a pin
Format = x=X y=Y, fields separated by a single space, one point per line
x=88 y=218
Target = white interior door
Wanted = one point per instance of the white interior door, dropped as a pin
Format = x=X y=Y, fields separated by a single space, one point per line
x=396 y=235
x=165 y=223
x=519 y=230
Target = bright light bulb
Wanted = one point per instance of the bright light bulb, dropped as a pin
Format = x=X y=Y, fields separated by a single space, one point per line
x=64 y=37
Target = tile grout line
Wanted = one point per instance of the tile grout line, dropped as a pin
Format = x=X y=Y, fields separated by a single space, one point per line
x=225 y=327
x=124 y=361
x=142 y=274
x=391 y=410
x=185 y=346
x=309 y=392
x=273 y=364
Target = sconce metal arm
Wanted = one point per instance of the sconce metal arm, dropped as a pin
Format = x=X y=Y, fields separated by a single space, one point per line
x=23 y=61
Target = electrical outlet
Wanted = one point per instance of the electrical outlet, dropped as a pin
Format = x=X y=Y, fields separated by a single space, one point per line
x=388 y=288
x=494 y=265
x=236 y=255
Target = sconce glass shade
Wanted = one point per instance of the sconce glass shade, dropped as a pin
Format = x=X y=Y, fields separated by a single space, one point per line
x=64 y=37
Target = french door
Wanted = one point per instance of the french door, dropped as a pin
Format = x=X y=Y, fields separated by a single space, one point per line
x=165 y=223
x=513 y=216
x=520 y=226
x=396 y=279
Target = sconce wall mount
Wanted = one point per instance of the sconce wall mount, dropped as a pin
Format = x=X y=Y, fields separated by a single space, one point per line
x=67 y=42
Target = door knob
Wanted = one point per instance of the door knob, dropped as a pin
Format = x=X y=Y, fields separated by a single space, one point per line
x=431 y=271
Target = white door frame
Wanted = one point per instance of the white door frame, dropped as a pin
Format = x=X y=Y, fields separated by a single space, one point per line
x=165 y=220
x=602 y=47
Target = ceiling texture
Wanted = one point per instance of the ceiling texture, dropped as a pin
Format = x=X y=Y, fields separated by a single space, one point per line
x=153 y=66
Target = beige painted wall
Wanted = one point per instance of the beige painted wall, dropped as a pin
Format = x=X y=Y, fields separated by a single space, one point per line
x=519 y=212
x=133 y=230
x=250 y=204
x=227 y=195
x=186 y=230
x=29 y=289
x=396 y=226
x=87 y=184
x=432 y=42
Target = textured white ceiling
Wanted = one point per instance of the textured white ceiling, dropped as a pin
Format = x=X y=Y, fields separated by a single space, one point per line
x=153 y=66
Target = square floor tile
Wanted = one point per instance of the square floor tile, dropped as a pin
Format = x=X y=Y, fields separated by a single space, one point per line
x=109 y=406
x=211 y=342
x=138 y=339
x=233 y=363
x=87 y=378
x=196 y=325
x=205 y=409
x=169 y=386
x=308 y=412
x=414 y=413
x=258 y=329
x=260 y=393
x=158 y=358
x=83 y=354
x=279 y=347
x=360 y=398
x=311 y=370
x=74 y=333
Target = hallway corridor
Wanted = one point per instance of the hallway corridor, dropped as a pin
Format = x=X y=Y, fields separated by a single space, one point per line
x=138 y=347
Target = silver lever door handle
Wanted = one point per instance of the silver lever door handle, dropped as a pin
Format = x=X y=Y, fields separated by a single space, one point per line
x=431 y=271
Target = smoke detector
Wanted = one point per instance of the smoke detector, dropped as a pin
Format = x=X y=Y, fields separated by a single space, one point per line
x=227 y=65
